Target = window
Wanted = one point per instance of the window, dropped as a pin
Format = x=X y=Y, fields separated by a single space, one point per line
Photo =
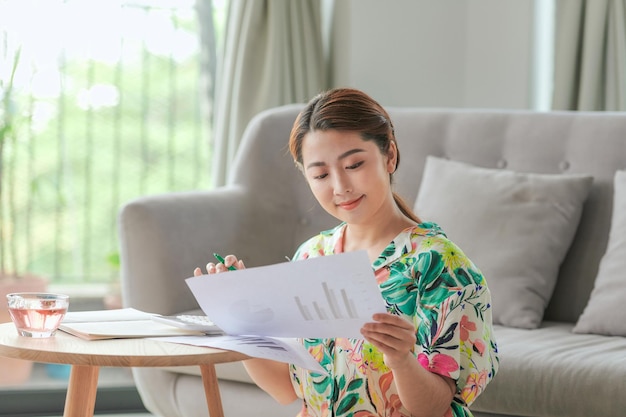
x=109 y=102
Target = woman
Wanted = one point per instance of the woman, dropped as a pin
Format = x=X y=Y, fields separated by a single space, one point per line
x=433 y=352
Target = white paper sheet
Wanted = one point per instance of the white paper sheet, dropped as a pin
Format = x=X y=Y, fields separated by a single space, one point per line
x=324 y=297
x=121 y=314
x=279 y=349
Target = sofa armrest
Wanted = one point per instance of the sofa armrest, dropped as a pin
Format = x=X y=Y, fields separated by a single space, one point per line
x=164 y=237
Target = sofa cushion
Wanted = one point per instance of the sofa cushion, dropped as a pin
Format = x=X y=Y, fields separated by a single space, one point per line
x=516 y=227
x=552 y=372
x=605 y=312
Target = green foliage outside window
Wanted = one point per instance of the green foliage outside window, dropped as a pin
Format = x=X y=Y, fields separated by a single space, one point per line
x=117 y=117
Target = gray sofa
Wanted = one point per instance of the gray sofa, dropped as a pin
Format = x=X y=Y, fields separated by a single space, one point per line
x=548 y=365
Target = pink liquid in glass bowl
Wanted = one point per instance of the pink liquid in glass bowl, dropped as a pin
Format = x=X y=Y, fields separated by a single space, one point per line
x=37 y=314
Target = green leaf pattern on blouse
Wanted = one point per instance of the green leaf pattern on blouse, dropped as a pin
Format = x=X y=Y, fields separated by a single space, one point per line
x=426 y=278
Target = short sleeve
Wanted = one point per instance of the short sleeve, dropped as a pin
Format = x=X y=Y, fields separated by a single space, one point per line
x=453 y=314
x=325 y=243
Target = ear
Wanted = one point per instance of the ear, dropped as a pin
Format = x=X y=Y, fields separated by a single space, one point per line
x=392 y=158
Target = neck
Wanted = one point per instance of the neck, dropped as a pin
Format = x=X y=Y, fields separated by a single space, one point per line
x=374 y=236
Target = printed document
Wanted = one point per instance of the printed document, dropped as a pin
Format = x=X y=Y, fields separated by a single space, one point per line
x=262 y=310
x=324 y=297
x=279 y=349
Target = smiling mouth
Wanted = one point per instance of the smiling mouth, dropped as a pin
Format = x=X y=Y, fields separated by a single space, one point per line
x=349 y=205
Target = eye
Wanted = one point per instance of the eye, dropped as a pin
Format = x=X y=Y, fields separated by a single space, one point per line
x=355 y=166
x=319 y=177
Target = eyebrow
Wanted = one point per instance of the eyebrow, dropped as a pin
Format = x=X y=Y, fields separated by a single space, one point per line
x=339 y=158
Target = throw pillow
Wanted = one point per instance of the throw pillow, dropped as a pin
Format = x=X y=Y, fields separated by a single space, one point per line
x=516 y=228
x=605 y=312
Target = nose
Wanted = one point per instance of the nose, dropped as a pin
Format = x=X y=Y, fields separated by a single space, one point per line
x=341 y=184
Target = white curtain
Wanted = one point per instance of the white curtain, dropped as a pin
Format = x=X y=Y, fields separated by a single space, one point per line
x=590 y=55
x=273 y=55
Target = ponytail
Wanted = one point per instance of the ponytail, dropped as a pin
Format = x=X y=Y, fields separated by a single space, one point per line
x=405 y=209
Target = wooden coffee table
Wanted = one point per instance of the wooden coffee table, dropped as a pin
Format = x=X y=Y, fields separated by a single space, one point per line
x=86 y=358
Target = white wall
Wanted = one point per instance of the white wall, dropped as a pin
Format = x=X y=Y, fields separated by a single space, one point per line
x=435 y=53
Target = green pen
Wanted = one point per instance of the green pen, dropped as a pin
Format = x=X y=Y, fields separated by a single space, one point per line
x=219 y=258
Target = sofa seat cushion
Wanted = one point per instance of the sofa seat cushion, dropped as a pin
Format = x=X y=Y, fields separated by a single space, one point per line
x=551 y=371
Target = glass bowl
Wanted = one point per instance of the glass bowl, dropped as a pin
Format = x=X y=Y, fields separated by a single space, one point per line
x=37 y=314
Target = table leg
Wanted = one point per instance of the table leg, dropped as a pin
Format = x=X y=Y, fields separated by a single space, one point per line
x=211 y=390
x=81 y=391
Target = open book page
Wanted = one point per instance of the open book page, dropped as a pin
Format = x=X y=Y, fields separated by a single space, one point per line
x=116 y=324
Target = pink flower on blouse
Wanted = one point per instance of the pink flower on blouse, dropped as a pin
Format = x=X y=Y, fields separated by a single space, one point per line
x=466 y=327
x=423 y=360
x=473 y=386
x=440 y=364
x=317 y=352
x=393 y=405
x=479 y=346
x=382 y=275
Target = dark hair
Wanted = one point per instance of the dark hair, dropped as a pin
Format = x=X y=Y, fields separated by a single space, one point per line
x=349 y=110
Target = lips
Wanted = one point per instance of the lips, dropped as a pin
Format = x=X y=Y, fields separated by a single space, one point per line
x=350 y=205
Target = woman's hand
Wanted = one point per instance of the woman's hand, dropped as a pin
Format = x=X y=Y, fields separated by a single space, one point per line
x=393 y=336
x=212 y=268
x=421 y=392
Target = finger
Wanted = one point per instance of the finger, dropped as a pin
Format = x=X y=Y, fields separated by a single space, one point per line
x=383 y=347
x=393 y=319
x=230 y=260
x=197 y=272
x=386 y=336
x=210 y=268
x=388 y=344
x=393 y=336
x=401 y=332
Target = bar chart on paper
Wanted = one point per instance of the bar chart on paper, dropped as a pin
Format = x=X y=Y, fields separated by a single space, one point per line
x=334 y=306
x=330 y=296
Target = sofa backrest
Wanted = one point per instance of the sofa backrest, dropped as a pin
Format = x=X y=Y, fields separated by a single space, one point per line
x=591 y=143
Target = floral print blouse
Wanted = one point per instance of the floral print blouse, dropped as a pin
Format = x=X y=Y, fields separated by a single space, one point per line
x=427 y=279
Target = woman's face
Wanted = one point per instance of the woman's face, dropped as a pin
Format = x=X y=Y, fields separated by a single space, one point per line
x=349 y=176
